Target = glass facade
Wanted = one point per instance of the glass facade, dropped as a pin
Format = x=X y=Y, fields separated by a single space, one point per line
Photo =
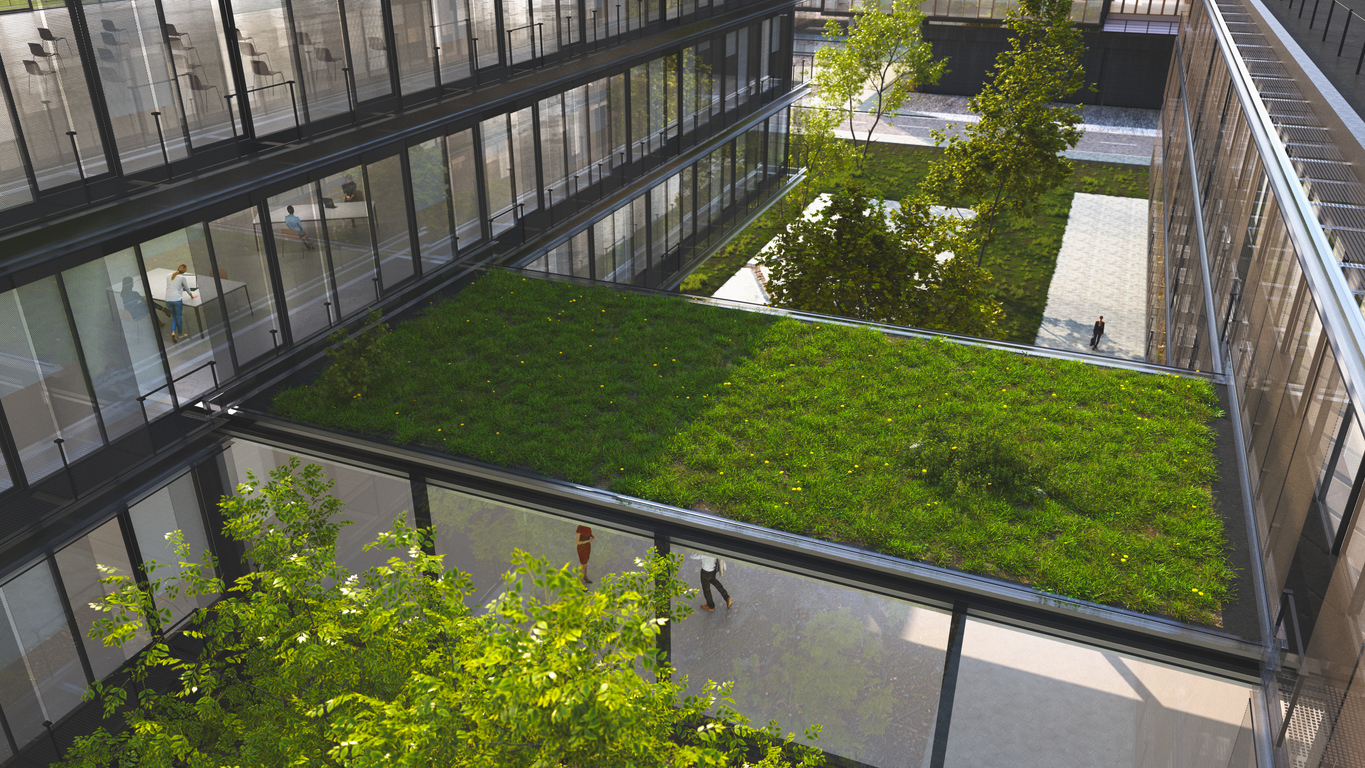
x=98 y=353
x=871 y=667
x=121 y=87
x=1254 y=273
x=46 y=655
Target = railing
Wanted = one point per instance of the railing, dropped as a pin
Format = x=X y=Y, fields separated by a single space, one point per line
x=212 y=365
x=293 y=100
x=1345 y=26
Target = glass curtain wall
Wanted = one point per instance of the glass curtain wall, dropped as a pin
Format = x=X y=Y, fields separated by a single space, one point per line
x=139 y=84
x=84 y=353
x=46 y=655
x=664 y=228
x=1300 y=438
x=163 y=76
x=51 y=95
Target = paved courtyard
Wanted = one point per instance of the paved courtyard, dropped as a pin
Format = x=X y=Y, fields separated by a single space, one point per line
x=1101 y=270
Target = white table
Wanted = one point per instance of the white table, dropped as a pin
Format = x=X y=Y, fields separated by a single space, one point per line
x=203 y=289
x=313 y=212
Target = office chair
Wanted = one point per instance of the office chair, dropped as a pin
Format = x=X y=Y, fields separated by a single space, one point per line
x=31 y=67
x=48 y=37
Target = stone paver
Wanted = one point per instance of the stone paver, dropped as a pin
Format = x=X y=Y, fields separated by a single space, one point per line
x=1101 y=270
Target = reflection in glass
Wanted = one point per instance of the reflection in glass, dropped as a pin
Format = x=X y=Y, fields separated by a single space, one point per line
x=867 y=668
x=369 y=53
x=346 y=214
x=136 y=77
x=173 y=508
x=41 y=678
x=240 y=254
x=1030 y=700
x=51 y=94
x=302 y=257
x=117 y=328
x=81 y=576
x=477 y=536
x=390 y=208
x=372 y=500
x=265 y=48
x=431 y=197
x=42 y=386
x=464 y=174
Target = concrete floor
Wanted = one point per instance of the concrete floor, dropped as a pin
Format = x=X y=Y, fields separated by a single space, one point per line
x=1101 y=270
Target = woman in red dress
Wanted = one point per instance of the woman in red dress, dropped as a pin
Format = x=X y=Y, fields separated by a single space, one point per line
x=583 y=540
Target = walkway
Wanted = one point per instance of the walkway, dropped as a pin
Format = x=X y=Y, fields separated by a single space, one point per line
x=1101 y=270
x=1112 y=134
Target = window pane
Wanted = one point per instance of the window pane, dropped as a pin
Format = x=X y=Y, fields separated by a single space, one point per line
x=347 y=216
x=321 y=49
x=390 y=208
x=43 y=388
x=477 y=536
x=431 y=196
x=303 y=259
x=135 y=73
x=450 y=24
x=51 y=94
x=172 y=508
x=81 y=578
x=203 y=308
x=1024 y=694
x=118 y=336
x=40 y=672
x=867 y=668
x=369 y=55
x=372 y=500
x=497 y=169
x=193 y=32
x=265 y=49
x=524 y=133
x=412 y=27
x=464 y=172
x=240 y=254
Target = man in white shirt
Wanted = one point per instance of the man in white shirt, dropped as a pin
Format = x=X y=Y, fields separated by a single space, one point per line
x=711 y=567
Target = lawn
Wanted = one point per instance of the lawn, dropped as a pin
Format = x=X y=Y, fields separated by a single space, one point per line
x=1021 y=257
x=1089 y=482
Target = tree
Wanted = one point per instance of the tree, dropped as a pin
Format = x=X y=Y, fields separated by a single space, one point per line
x=305 y=664
x=884 y=54
x=848 y=260
x=1012 y=156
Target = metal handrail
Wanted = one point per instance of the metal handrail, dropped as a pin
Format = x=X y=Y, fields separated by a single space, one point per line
x=212 y=365
x=293 y=99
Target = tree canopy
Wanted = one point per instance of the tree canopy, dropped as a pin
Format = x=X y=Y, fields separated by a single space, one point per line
x=853 y=260
x=1012 y=156
x=884 y=57
x=303 y=663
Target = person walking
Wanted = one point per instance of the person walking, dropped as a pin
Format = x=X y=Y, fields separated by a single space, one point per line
x=712 y=568
x=1097 y=333
x=582 y=539
x=177 y=285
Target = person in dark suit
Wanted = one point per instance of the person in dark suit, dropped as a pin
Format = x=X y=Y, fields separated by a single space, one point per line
x=1098 y=332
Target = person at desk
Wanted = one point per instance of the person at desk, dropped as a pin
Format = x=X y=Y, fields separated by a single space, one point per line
x=177 y=285
x=136 y=305
x=295 y=223
x=349 y=193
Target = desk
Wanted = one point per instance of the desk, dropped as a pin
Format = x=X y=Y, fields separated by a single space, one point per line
x=312 y=212
x=204 y=289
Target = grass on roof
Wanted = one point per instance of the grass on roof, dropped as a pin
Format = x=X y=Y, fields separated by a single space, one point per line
x=1021 y=257
x=1089 y=482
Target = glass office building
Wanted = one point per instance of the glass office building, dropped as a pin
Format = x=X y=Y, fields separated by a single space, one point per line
x=308 y=161
x=1255 y=274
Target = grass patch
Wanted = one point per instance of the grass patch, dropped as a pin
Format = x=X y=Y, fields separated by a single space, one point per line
x=1021 y=257
x=1086 y=481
